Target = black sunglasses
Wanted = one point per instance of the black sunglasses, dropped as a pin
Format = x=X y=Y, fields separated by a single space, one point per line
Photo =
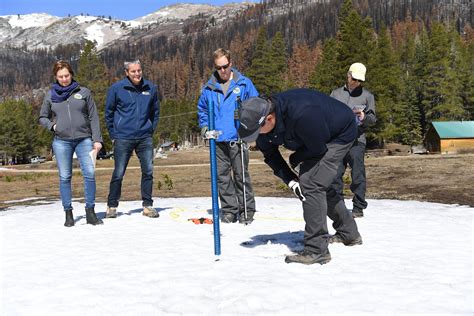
x=223 y=67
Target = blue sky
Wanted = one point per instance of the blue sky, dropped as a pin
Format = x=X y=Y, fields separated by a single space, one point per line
x=122 y=9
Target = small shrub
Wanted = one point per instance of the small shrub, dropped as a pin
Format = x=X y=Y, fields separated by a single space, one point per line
x=28 y=177
x=168 y=181
x=347 y=179
x=282 y=186
x=158 y=185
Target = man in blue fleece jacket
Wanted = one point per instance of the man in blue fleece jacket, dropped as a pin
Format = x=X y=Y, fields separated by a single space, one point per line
x=132 y=110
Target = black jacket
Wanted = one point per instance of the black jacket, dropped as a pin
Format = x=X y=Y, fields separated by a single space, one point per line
x=306 y=120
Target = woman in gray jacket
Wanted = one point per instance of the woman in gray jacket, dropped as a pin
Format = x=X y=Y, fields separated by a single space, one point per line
x=69 y=112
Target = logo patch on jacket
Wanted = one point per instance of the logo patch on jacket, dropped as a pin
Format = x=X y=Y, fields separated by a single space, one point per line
x=78 y=96
x=146 y=93
x=236 y=90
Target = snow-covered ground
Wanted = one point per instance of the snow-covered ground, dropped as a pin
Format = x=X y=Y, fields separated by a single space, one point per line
x=416 y=258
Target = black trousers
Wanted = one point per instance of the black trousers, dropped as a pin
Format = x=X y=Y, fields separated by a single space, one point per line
x=355 y=159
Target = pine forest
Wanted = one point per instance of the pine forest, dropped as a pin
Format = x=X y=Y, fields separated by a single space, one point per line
x=419 y=57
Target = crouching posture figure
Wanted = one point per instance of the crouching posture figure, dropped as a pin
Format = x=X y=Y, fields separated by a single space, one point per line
x=320 y=130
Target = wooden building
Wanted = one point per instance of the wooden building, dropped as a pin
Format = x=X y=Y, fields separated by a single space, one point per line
x=450 y=137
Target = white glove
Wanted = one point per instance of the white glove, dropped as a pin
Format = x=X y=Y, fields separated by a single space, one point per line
x=295 y=186
x=212 y=134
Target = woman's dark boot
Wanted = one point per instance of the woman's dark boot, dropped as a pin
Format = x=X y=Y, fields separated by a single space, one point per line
x=91 y=217
x=69 y=219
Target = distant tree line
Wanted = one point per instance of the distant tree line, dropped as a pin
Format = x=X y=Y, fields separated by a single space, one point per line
x=420 y=64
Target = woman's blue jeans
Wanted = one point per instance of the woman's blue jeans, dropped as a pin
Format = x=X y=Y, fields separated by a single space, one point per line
x=64 y=151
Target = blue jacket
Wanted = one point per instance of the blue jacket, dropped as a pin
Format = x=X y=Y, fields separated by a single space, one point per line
x=132 y=112
x=224 y=105
x=306 y=120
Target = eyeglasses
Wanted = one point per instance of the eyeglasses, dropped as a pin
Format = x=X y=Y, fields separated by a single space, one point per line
x=354 y=79
x=222 y=67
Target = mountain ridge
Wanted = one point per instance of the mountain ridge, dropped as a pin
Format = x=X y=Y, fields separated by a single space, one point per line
x=45 y=31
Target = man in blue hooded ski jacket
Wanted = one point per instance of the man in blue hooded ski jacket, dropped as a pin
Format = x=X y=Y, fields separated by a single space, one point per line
x=224 y=91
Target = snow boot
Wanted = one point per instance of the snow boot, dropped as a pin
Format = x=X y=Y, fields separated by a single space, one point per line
x=228 y=217
x=69 y=219
x=248 y=220
x=91 y=217
x=336 y=238
x=308 y=257
x=357 y=212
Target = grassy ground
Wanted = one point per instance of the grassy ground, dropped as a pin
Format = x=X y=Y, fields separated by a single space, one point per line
x=435 y=178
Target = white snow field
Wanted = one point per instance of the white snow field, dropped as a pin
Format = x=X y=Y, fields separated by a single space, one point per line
x=417 y=258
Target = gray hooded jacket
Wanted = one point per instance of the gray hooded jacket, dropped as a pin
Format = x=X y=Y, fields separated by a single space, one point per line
x=75 y=117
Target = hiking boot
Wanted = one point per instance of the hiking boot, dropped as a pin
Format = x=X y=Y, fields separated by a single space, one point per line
x=248 y=220
x=308 y=257
x=150 y=212
x=357 y=212
x=336 y=238
x=69 y=219
x=91 y=217
x=228 y=218
x=111 y=212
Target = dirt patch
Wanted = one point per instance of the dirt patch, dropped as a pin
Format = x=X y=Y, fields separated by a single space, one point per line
x=186 y=173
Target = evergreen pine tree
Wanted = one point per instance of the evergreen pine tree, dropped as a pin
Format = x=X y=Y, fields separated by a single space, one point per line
x=468 y=79
x=383 y=80
x=451 y=107
x=437 y=66
x=18 y=130
x=411 y=133
x=260 y=70
x=323 y=78
x=408 y=129
x=93 y=75
x=278 y=63
x=421 y=76
x=355 y=42
x=462 y=61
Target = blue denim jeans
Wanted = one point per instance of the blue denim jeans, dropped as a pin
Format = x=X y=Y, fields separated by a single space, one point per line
x=64 y=150
x=123 y=149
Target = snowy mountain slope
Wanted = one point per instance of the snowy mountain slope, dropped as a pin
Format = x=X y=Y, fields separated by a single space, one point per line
x=184 y=11
x=33 y=31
